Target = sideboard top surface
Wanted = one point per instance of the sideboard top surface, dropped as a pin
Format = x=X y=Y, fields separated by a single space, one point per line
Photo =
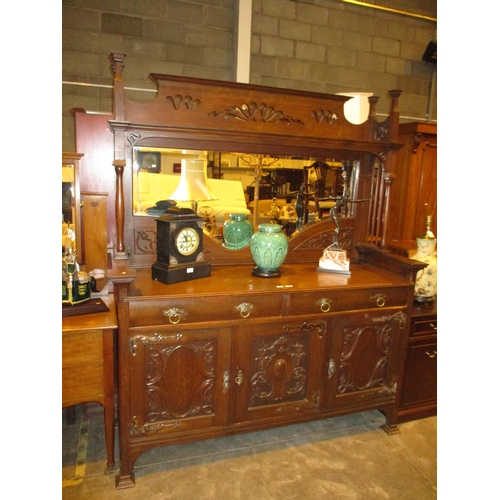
x=100 y=320
x=230 y=280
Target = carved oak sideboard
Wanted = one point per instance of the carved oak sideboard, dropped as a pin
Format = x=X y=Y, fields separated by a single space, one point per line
x=234 y=353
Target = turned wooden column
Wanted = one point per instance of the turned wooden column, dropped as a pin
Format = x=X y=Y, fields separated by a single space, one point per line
x=388 y=178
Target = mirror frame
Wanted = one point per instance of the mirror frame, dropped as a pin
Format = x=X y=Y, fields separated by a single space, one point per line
x=73 y=159
x=209 y=115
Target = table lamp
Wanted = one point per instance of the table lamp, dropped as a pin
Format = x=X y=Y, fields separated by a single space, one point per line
x=193 y=184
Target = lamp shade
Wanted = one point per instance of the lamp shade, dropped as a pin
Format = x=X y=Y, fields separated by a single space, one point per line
x=357 y=108
x=193 y=182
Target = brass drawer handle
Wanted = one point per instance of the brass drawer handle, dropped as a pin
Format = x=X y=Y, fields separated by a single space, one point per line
x=433 y=355
x=379 y=299
x=239 y=378
x=433 y=326
x=244 y=309
x=324 y=305
x=331 y=368
x=174 y=315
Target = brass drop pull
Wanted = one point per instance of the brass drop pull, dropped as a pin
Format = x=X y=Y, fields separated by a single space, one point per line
x=324 y=304
x=379 y=299
x=331 y=368
x=433 y=355
x=244 y=309
x=433 y=326
x=174 y=315
x=239 y=378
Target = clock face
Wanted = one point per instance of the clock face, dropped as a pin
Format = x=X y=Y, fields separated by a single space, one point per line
x=187 y=241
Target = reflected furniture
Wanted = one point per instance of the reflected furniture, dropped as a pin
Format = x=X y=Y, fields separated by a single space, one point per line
x=88 y=365
x=233 y=352
x=324 y=183
x=157 y=187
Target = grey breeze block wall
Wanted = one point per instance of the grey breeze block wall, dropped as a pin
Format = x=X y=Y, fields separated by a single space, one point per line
x=315 y=45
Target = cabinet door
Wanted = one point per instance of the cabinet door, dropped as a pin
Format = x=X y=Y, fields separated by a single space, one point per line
x=420 y=377
x=277 y=368
x=363 y=361
x=179 y=380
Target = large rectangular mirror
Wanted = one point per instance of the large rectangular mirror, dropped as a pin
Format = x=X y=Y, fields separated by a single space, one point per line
x=255 y=181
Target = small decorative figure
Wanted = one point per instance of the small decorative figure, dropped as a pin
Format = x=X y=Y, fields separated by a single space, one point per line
x=301 y=206
x=335 y=211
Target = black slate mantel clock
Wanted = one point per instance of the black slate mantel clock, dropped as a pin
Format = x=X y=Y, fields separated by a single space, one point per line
x=179 y=253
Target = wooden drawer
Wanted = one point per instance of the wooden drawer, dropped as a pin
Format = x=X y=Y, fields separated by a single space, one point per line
x=204 y=308
x=326 y=301
x=82 y=366
x=80 y=347
x=424 y=326
x=83 y=382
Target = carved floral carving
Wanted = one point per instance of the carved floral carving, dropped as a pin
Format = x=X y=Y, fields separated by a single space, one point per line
x=145 y=241
x=279 y=371
x=257 y=113
x=374 y=343
x=327 y=115
x=416 y=138
x=381 y=132
x=325 y=239
x=187 y=102
x=133 y=137
x=398 y=317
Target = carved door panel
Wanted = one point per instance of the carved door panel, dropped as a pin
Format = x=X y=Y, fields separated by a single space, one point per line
x=179 y=380
x=276 y=370
x=363 y=360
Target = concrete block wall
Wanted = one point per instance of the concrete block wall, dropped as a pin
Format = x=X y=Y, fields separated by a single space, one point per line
x=317 y=45
x=331 y=47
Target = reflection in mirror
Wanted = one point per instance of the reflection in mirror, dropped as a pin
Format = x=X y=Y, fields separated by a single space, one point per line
x=71 y=202
x=267 y=189
x=68 y=207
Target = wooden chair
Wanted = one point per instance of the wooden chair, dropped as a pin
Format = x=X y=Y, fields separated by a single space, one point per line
x=323 y=180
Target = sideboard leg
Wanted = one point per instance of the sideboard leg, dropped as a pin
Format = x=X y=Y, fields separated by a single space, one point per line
x=124 y=481
x=391 y=429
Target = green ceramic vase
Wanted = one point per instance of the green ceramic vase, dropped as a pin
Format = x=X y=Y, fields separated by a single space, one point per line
x=237 y=231
x=268 y=247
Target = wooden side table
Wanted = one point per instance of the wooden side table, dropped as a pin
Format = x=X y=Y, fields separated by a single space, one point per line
x=88 y=365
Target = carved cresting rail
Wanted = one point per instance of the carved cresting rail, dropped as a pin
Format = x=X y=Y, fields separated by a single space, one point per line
x=192 y=113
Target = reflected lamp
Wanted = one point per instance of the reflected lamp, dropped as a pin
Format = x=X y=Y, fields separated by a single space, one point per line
x=192 y=185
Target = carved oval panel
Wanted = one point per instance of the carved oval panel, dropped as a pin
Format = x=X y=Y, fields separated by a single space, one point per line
x=181 y=381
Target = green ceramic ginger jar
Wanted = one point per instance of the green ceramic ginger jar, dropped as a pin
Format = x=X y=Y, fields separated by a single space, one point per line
x=268 y=247
x=237 y=231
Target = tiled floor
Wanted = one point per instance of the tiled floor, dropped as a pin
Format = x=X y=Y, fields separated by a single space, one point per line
x=338 y=458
